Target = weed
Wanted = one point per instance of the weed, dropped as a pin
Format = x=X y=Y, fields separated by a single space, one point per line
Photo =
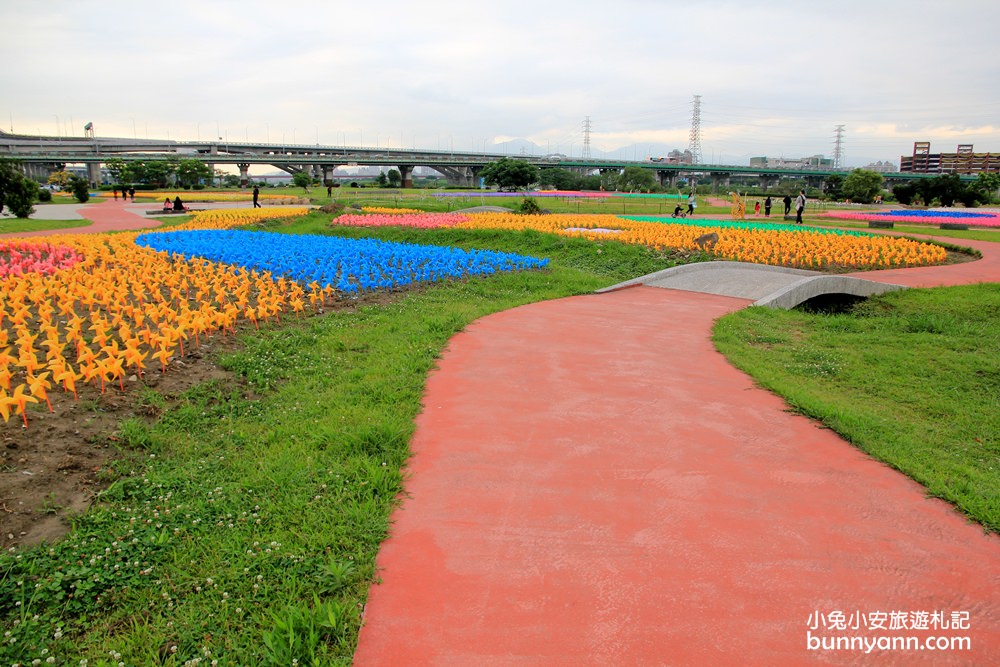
x=135 y=433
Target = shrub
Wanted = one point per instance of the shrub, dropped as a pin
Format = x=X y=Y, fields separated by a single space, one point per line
x=44 y=195
x=20 y=196
x=528 y=206
x=336 y=208
x=80 y=188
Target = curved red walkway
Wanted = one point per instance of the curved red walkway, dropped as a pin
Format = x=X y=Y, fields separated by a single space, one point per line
x=106 y=216
x=593 y=484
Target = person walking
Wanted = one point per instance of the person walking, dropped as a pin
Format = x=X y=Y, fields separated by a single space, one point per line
x=800 y=204
x=756 y=208
x=787 y=201
x=131 y=193
x=256 y=194
x=767 y=207
x=115 y=193
x=692 y=204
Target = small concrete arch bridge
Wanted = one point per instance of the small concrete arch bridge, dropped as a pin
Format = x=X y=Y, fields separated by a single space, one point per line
x=771 y=286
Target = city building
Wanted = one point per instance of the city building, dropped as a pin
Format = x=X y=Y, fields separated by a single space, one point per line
x=881 y=167
x=963 y=161
x=814 y=162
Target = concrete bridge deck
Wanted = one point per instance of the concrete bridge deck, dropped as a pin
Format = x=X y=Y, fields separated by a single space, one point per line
x=773 y=286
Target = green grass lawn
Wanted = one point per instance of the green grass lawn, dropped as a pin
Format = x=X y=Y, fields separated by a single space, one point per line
x=241 y=524
x=13 y=225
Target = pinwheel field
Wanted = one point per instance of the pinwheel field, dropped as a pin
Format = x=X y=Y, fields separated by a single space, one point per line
x=233 y=398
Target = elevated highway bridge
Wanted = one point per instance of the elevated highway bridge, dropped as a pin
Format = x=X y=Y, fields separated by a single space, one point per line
x=42 y=154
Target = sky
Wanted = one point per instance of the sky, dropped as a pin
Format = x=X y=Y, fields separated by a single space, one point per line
x=776 y=77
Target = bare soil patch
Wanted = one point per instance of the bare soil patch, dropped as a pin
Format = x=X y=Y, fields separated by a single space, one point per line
x=52 y=470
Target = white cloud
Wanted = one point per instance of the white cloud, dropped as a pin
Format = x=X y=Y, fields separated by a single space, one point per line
x=776 y=76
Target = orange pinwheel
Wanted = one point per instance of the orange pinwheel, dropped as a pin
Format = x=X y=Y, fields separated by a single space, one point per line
x=67 y=377
x=21 y=400
x=114 y=368
x=92 y=369
x=6 y=403
x=28 y=360
x=100 y=330
x=251 y=314
x=163 y=355
x=133 y=356
x=37 y=385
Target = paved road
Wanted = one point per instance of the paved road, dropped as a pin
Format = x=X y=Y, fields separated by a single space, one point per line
x=108 y=216
x=593 y=484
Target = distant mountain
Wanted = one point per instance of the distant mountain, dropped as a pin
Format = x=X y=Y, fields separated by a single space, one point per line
x=516 y=147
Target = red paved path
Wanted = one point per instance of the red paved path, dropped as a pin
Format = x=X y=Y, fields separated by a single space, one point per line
x=107 y=216
x=593 y=484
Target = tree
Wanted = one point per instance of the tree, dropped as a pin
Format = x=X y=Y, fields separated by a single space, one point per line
x=394 y=178
x=120 y=171
x=302 y=180
x=17 y=191
x=862 y=185
x=80 y=187
x=904 y=193
x=159 y=172
x=9 y=173
x=987 y=183
x=947 y=188
x=559 y=178
x=192 y=172
x=833 y=186
x=508 y=174
x=381 y=180
x=60 y=178
x=609 y=180
x=636 y=179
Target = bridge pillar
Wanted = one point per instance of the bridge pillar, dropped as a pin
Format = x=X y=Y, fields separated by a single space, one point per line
x=461 y=177
x=244 y=174
x=94 y=173
x=474 y=175
x=765 y=181
x=720 y=178
x=406 y=171
x=40 y=171
x=667 y=179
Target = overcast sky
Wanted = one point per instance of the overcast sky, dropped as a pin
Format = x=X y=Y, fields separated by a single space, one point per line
x=776 y=76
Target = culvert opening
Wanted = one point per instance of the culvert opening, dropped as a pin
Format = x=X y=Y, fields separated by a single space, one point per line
x=829 y=304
